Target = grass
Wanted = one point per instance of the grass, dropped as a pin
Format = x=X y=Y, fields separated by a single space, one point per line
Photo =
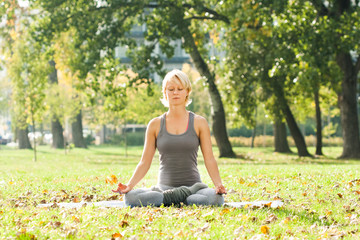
x=321 y=195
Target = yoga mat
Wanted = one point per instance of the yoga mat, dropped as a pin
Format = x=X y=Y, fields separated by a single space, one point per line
x=255 y=204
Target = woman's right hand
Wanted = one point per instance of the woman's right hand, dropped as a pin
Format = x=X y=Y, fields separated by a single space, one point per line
x=122 y=189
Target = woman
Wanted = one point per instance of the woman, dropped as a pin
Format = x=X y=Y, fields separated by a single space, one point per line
x=177 y=134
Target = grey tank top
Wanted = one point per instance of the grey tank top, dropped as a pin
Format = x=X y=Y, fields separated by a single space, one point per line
x=178 y=155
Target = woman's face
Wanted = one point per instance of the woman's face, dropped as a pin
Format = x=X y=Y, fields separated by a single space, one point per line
x=175 y=92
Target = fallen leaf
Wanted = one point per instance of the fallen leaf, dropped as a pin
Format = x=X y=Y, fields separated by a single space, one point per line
x=241 y=181
x=75 y=219
x=286 y=220
x=224 y=211
x=265 y=229
x=340 y=195
x=328 y=212
x=116 y=235
x=179 y=234
x=271 y=218
x=268 y=204
x=124 y=223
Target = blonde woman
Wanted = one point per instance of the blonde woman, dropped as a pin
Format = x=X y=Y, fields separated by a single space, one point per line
x=177 y=135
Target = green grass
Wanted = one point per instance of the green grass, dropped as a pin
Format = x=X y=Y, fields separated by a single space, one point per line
x=321 y=195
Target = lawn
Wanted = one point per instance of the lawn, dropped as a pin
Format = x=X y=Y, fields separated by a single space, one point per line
x=321 y=196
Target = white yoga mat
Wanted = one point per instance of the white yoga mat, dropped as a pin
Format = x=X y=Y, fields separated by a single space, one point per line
x=255 y=204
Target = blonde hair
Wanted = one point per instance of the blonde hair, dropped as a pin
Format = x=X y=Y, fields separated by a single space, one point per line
x=184 y=80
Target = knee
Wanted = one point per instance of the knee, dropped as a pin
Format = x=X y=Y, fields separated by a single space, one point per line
x=206 y=196
x=213 y=198
x=143 y=197
x=131 y=198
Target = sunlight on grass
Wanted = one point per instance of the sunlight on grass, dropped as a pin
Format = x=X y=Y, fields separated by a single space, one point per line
x=321 y=196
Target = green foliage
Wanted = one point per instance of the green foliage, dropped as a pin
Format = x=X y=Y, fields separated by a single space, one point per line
x=27 y=68
x=144 y=103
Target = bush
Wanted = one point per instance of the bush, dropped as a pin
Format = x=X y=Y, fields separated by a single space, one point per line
x=268 y=141
x=132 y=138
x=89 y=139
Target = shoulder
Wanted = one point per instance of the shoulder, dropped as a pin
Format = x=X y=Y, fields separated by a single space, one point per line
x=200 y=124
x=199 y=120
x=153 y=126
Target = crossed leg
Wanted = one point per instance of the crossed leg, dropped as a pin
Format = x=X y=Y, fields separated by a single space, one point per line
x=199 y=194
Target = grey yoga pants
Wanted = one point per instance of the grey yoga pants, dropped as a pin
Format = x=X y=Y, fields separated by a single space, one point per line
x=200 y=195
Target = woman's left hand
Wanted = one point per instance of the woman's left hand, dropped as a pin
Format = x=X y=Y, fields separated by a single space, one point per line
x=220 y=189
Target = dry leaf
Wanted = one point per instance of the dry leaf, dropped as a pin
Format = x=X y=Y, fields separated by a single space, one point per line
x=116 y=235
x=271 y=218
x=75 y=219
x=124 y=223
x=286 y=220
x=111 y=179
x=179 y=234
x=265 y=229
x=224 y=211
x=268 y=204
x=328 y=213
x=241 y=181
x=340 y=195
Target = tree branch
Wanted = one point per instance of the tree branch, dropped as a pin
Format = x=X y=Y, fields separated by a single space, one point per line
x=217 y=16
x=202 y=18
x=211 y=11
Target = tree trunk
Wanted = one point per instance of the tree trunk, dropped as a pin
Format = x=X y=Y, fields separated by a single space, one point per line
x=347 y=100
x=253 y=135
x=57 y=130
x=23 y=138
x=280 y=137
x=218 y=113
x=77 y=132
x=57 y=134
x=318 y=124
x=290 y=120
x=34 y=139
x=296 y=133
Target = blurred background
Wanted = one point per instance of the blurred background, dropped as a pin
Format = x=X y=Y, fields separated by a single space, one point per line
x=275 y=74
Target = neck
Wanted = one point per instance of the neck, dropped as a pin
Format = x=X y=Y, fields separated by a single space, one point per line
x=177 y=111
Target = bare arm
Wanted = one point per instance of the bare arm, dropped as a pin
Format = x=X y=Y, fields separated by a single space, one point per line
x=209 y=159
x=148 y=153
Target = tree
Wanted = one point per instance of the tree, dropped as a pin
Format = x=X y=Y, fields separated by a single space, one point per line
x=325 y=32
x=340 y=18
x=27 y=69
x=103 y=26
x=24 y=60
x=8 y=33
x=56 y=126
x=258 y=67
